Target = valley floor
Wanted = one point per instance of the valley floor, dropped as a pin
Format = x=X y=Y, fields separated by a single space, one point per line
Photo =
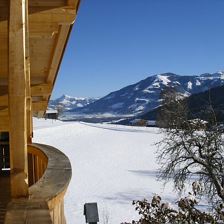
x=112 y=165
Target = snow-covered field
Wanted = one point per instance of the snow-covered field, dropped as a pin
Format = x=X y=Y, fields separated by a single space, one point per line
x=112 y=165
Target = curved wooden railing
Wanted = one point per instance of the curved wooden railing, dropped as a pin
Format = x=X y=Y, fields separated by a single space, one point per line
x=51 y=187
x=49 y=174
x=37 y=164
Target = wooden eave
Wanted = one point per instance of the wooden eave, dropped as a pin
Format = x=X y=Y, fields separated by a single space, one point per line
x=50 y=23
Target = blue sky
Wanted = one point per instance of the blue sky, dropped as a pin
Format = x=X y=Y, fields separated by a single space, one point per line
x=117 y=43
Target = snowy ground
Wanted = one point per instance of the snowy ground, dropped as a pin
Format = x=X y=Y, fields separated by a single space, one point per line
x=112 y=165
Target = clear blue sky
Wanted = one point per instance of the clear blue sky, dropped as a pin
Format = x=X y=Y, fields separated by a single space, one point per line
x=117 y=43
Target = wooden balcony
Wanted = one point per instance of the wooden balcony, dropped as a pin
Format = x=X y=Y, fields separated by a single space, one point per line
x=33 y=36
x=49 y=175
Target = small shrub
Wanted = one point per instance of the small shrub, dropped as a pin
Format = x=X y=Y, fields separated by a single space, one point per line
x=158 y=212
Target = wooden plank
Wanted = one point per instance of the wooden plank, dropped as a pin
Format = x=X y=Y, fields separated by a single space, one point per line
x=37 y=6
x=3 y=81
x=57 y=16
x=42 y=3
x=74 y=3
x=36 y=80
x=47 y=3
x=41 y=53
x=38 y=35
x=3 y=3
x=4 y=113
x=4 y=48
x=41 y=90
x=17 y=99
x=4 y=123
x=3 y=90
x=40 y=106
x=3 y=100
x=22 y=211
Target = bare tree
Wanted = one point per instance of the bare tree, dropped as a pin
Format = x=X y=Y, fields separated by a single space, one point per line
x=189 y=148
x=193 y=148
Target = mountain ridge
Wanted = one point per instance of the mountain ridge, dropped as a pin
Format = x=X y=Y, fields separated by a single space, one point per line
x=144 y=95
x=66 y=102
x=197 y=105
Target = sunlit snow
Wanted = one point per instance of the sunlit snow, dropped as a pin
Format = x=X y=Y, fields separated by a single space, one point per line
x=142 y=100
x=198 y=83
x=165 y=80
x=112 y=165
x=189 y=85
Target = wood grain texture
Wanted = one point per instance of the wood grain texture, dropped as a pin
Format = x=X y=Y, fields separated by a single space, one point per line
x=50 y=22
x=17 y=98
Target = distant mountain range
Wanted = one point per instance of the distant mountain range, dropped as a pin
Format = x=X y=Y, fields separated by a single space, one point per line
x=137 y=99
x=197 y=105
x=145 y=95
x=67 y=103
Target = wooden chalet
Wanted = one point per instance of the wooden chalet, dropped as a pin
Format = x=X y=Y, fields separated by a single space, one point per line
x=33 y=177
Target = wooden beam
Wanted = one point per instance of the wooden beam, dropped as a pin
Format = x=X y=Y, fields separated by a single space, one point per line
x=38 y=105
x=60 y=15
x=35 y=80
x=17 y=98
x=28 y=81
x=37 y=90
x=57 y=54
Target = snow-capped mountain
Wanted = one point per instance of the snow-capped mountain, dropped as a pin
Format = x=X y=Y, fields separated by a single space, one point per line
x=145 y=95
x=197 y=105
x=66 y=103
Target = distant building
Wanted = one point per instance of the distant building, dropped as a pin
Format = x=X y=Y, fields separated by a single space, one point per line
x=142 y=122
x=51 y=114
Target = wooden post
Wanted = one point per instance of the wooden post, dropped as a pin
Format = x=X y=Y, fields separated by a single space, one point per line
x=28 y=82
x=17 y=98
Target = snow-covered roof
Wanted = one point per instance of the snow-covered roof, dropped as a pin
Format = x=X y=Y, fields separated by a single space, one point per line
x=51 y=111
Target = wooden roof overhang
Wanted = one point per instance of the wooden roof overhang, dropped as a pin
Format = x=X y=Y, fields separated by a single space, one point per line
x=33 y=36
x=49 y=25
